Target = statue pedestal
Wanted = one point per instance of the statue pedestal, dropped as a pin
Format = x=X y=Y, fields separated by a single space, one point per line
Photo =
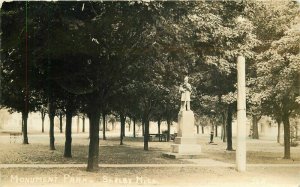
x=185 y=144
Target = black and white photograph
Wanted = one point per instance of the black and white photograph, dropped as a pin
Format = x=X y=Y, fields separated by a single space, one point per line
x=145 y=93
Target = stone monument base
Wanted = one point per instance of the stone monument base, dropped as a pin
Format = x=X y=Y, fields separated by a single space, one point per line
x=186 y=148
x=186 y=144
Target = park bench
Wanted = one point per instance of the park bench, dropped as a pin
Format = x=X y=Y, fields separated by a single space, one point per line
x=13 y=135
x=161 y=137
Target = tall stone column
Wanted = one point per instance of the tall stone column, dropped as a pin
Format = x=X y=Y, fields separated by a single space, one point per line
x=241 y=116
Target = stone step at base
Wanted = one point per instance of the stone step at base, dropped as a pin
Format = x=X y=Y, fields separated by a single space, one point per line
x=183 y=156
x=186 y=148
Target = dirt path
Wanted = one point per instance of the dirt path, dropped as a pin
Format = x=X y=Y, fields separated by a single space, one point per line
x=159 y=176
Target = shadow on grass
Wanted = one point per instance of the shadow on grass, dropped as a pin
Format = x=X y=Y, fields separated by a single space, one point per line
x=109 y=153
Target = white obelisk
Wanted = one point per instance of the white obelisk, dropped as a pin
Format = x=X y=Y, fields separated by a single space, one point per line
x=241 y=116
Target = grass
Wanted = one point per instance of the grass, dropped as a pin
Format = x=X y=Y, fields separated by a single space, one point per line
x=110 y=152
x=37 y=152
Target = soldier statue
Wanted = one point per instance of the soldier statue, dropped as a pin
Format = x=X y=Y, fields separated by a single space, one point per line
x=185 y=90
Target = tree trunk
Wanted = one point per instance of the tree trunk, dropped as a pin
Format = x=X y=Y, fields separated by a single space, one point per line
x=134 y=127
x=43 y=125
x=83 y=124
x=143 y=128
x=121 y=133
x=123 y=120
x=255 y=127
x=104 y=125
x=43 y=120
x=100 y=124
x=224 y=121
x=78 y=124
x=124 y=127
x=197 y=129
x=129 y=125
x=212 y=131
x=51 y=131
x=216 y=130
x=146 y=136
x=222 y=132
x=158 y=124
x=169 y=129
x=278 y=130
x=22 y=125
x=287 y=140
x=60 y=123
x=94 y=116
x=202 y=129
x=68 y=133
x=229 y=129
x=25 y=135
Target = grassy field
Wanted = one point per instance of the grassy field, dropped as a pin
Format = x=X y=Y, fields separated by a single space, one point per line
x=258 y=151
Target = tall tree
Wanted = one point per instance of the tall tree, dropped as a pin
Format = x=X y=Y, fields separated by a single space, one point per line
x=18 y=76
x=278 y=68
x=278 y=76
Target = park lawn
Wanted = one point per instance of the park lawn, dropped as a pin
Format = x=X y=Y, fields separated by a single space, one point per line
x=37 y=152
x=256 y=157
x=258 y=152
x=110 y=153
